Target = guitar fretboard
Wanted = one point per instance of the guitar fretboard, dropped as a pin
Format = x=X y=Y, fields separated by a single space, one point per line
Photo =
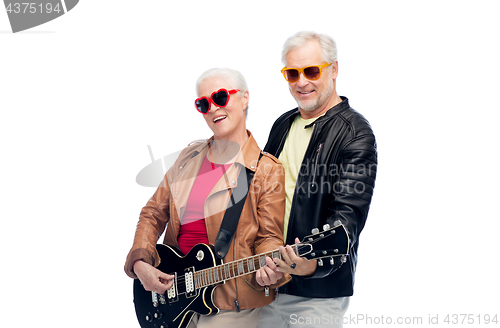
x=234 y=269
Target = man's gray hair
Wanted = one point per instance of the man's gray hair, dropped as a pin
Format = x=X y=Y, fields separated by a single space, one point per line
x=301 y=38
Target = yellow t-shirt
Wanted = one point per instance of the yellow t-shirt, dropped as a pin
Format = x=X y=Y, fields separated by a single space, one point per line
x=292 y=156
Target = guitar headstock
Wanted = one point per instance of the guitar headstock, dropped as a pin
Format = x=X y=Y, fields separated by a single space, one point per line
x=331 y=242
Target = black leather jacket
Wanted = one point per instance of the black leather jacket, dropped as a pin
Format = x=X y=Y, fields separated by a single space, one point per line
x=335 y=182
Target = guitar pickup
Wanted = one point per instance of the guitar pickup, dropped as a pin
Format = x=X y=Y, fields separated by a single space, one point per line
x=189 y=282
x=172 y=294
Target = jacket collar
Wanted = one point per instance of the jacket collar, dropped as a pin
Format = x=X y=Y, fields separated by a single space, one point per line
x=250 y=153
x=248 y=156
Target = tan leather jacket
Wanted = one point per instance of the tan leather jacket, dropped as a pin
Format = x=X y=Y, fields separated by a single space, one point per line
x=260 y=228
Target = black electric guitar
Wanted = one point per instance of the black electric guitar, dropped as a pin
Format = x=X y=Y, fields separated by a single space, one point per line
x=199 y=272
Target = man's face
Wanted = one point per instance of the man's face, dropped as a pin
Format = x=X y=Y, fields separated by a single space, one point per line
x=312 y=97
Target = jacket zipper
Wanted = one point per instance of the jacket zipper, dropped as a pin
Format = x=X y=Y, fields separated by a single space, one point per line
x=182 y=167
x=316 y=164
x=181 y=170
x=236 y=303
x=280 y=146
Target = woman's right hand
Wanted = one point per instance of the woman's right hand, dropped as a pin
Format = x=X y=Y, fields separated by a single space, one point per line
x=152 y=279
x=268 y=275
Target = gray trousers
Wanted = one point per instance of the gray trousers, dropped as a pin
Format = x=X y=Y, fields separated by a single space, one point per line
x=302 y=312
x=227 y=319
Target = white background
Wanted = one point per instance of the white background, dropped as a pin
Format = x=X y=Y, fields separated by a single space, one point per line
x=82 y=96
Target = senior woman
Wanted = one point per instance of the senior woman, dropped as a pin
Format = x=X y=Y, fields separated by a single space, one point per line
x=195 y=194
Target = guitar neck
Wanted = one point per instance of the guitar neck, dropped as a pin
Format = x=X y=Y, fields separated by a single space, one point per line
x=235 y=269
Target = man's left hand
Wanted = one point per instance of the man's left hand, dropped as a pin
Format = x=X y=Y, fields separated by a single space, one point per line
x=293 y=264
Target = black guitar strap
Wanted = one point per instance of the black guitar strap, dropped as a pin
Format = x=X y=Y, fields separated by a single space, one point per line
x=233 y=212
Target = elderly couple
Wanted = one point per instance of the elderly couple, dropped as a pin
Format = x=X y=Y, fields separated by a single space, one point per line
x=288 y=196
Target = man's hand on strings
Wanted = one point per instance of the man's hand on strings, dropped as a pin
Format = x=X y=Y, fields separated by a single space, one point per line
x=293 y=264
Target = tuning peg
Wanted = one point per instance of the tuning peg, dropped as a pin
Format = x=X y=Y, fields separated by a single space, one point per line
x=332 y=261
x=337 y=223
x=320 y=262
x=326 y=227
x=315 y=231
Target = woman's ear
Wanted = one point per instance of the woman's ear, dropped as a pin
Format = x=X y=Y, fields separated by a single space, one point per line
x=246 y=97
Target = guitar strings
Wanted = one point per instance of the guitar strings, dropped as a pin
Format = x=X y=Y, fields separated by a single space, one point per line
x=233 y=266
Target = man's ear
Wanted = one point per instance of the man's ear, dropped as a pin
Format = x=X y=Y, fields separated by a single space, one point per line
x=335 y=70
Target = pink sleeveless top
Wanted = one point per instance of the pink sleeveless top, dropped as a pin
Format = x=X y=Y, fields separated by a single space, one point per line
x=193 y=229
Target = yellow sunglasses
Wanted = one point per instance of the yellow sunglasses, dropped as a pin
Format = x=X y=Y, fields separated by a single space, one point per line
x=311 y=73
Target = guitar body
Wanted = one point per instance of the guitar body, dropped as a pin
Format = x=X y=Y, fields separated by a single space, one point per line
x=176 y=307
x=199 y=272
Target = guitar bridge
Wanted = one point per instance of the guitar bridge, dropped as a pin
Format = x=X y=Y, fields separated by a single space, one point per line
x=154 y=299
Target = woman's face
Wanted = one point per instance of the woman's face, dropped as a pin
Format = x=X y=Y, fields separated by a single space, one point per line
x=227 y=123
